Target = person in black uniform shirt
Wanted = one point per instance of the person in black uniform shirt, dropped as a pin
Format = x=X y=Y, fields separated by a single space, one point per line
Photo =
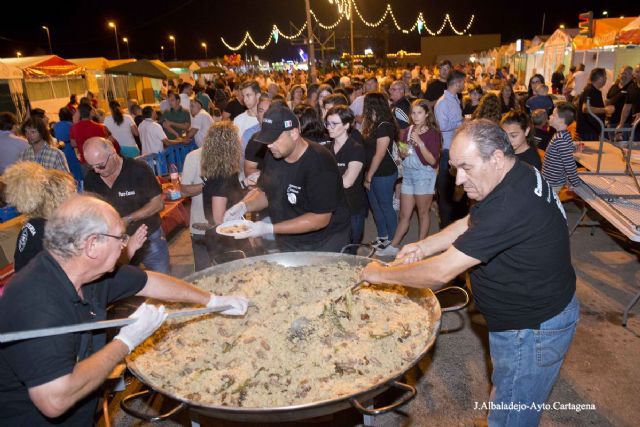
x=54 y=380
x=631 y=109
x=132 y=189
x=516 y=243
x=588 y=128
x=617 y=94
x=300 y=185
x=350 y=157
x=25 y=189
x=518 y=128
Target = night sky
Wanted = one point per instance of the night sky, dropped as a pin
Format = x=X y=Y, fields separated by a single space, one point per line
x=79 y=28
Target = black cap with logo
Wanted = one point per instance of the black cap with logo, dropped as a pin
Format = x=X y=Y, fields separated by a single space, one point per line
x=277 y=119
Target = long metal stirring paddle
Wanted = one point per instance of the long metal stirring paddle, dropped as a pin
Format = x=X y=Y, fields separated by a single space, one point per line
x=103 y=324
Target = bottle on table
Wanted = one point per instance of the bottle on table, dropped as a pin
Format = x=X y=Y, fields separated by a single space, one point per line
x=174 y=190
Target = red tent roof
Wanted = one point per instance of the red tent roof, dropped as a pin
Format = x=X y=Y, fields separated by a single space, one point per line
x=42 y=66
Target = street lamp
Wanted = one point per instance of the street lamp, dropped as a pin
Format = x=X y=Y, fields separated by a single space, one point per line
x=162 y=53
x=115 y=31
x=204 y=45
x=175 y=52
x=18 y=54
x=605 y=13
x=126 y=41
x=48 y=38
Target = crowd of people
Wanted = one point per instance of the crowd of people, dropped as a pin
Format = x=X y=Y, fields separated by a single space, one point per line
x=306 y=162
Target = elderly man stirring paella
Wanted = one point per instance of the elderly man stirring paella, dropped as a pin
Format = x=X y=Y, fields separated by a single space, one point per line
x=516 y=244
x=53 y=380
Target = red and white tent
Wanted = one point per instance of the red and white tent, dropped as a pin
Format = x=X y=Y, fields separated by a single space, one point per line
x=631 y=32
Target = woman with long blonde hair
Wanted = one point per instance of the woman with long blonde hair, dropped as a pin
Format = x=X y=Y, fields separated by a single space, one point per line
x=220 y=167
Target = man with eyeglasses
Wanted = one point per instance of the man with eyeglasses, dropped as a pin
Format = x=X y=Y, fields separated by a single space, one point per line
x=132 y=189
x=400 y=106
x=54 y=380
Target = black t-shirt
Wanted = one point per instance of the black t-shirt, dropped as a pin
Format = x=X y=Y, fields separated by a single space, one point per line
x=542 y=137
x=311 y=184
x=135 y=187
x=633 y=98
x=351 y=151
x=586 y=124
x=519 y=234
x=41 y=296
x=234 y=108
x=29 y=243
x=218 y=186
x=435 y=90
x=402 y=112
x=531 y=157
x=387 y=165
x=356 y=136
x=617 y=96
x=468 y=109
x=255 y=151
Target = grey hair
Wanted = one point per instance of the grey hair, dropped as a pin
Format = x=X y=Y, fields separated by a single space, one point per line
x=73 y=222
x=399 y=83
x=488 y=137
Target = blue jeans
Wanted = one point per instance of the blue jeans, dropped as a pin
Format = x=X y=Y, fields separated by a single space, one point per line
x=357 y=226
x=154 y=254
x=381 y=200
x=526 y=364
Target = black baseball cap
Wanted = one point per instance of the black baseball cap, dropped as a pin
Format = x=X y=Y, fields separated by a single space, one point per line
x=277 y=119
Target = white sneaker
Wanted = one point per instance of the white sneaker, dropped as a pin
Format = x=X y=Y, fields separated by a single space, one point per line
x=388 y=251
x=380 y=243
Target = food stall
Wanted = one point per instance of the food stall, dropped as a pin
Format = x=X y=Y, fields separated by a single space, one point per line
x=50 y=80
x=143 y=80
x=95 y=75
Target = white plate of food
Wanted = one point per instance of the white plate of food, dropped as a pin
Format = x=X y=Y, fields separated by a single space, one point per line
x=234 y=228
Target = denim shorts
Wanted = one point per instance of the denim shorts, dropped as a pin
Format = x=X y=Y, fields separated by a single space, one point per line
x=419 y=182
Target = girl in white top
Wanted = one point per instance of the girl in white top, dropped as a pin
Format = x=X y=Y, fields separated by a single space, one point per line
x=122 y=128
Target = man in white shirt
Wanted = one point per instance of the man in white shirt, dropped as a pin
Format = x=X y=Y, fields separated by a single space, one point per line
x=185 y=95
x=201 y=121
x=251 y=96
x=191 y=186
x=152 y=136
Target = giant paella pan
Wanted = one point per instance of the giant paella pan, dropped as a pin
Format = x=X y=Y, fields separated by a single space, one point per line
x=307 y=346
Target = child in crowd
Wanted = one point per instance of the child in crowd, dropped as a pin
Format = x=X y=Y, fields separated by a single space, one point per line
x=542 y=132
x=541 y=100
x=559 y=167
x=517 y=126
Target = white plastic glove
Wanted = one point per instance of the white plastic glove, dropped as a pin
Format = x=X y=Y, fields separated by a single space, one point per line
x=252 y=179
x=149 y=318
x=235 y=212
x=259 y=229
x=239 y=304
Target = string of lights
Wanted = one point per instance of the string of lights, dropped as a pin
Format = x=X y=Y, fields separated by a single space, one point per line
x=328 y=27
x=345 y=8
